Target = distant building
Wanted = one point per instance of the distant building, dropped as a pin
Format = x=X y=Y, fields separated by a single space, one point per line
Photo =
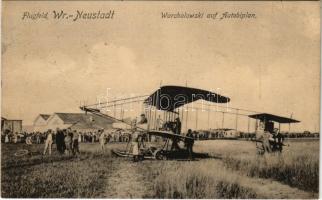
x=40 y=122
x=231 y=133
x=77 y=121
x=28 y=128
x=224 y=133
x=14 y=126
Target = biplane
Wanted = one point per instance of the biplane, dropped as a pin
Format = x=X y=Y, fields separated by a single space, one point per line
x=162 y=109
x=168 y=100
x=265 y=123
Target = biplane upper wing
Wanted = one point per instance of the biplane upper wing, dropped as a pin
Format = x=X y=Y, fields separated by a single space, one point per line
x=270 y=117
x=168 y=134
x=169 y=98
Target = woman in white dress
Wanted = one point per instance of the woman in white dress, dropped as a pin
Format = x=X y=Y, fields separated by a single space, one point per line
x=102 y=139
x=135 y=145
x=6 y=139
x=49 y=142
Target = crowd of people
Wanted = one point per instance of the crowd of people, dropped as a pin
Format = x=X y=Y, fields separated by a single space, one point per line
x=119 y=135
x=67 y=140
x=116 y=135
x=206 y=135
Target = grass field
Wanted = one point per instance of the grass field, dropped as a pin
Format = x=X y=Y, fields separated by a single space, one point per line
x=235 y=171
x=297 y=166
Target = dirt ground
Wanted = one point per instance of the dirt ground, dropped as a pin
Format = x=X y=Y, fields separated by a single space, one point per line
x=129 y=182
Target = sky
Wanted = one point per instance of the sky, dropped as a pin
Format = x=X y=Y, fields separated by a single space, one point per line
x=269 y=64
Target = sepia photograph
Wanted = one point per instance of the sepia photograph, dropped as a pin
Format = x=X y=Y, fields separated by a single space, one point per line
x=160 y=99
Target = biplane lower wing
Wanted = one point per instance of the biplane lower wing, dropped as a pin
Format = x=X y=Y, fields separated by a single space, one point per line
x=127 y=154
x=121 y=153
x=170 y=135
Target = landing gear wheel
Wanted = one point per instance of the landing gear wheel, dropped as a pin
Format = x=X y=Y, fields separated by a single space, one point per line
x=160 y=156
x=140 y=157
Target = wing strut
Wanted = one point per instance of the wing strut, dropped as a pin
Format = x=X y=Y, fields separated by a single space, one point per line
x=99 y=113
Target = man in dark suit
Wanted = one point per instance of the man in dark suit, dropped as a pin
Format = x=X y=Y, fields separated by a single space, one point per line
x=178 y=126
x=189 y=143
x=60 y=141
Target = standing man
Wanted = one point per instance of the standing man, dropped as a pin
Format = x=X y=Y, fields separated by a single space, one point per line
x=48 y=142
x=60 y=141
x=189 y=143
x=68 y=141
x=75 y=142
x=278 y=139
x=178 y=126
x=177 y=130
x=266 y=144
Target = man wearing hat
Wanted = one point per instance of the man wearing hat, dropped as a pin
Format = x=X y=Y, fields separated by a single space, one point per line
x=143 y=123
x=75 y=142
x=143 y=119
